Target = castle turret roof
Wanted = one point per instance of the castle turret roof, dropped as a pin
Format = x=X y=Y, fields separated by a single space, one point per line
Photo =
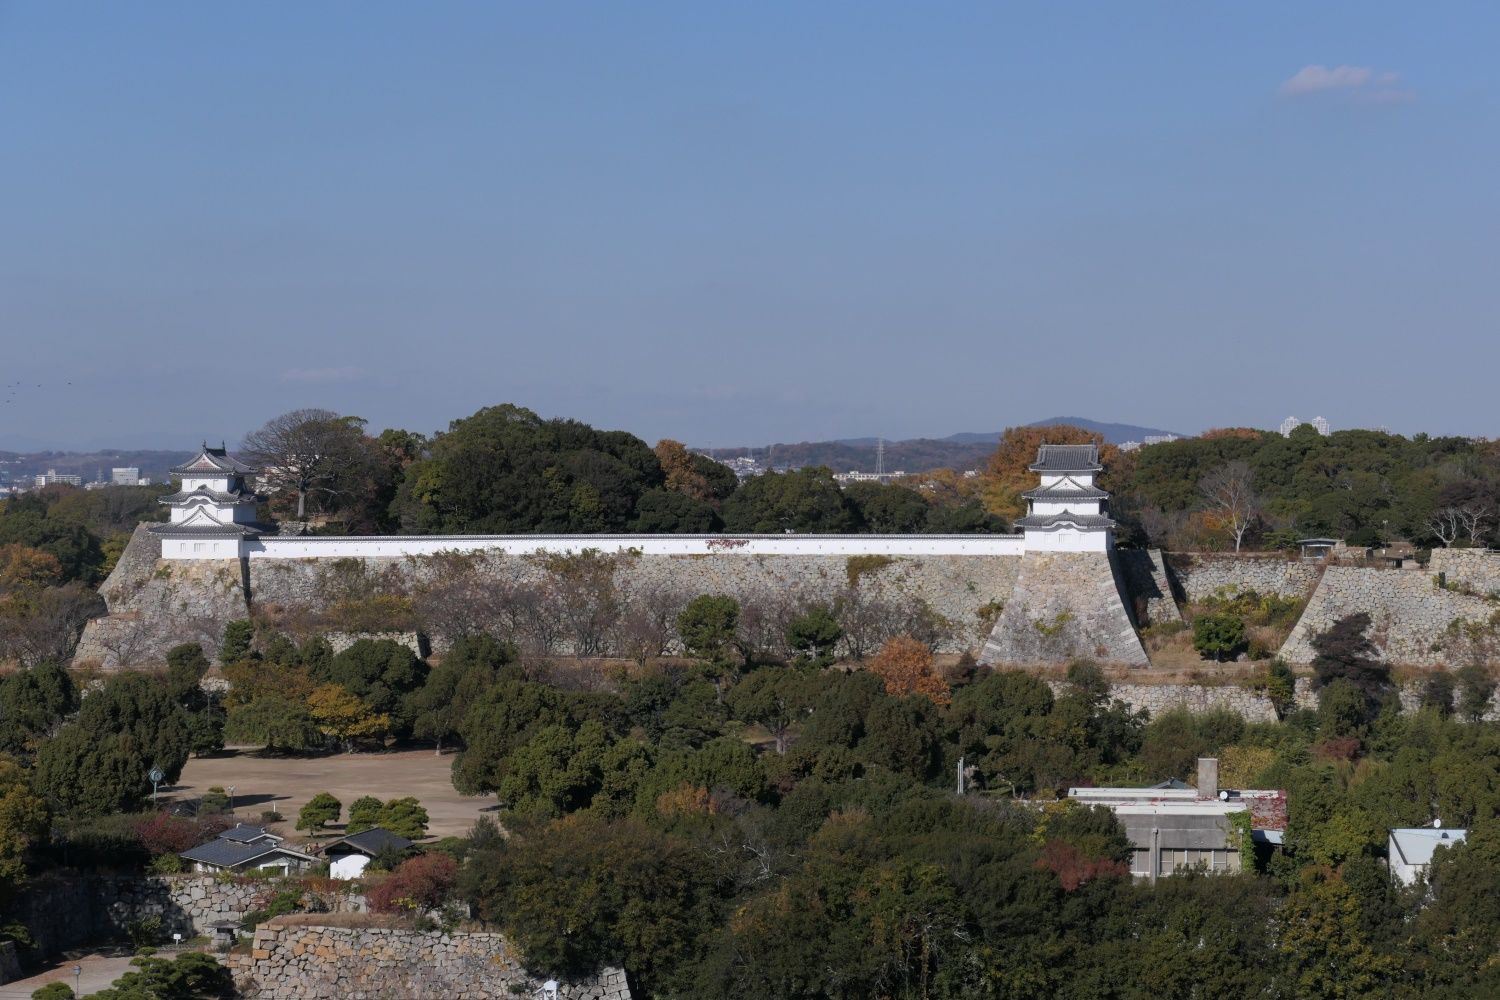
x=1066 y=517
x=213 y=461
x=204 y=493
x=1067 y=458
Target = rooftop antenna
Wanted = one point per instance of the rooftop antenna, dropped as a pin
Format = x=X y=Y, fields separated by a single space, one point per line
x=880 y=456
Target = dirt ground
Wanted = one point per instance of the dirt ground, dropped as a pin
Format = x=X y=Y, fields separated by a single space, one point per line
x=96 y=973
x=286 y=783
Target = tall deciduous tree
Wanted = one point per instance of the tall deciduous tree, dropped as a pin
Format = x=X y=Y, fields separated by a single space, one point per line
x=305 y=451
x=1230 y=494
x=905 y=666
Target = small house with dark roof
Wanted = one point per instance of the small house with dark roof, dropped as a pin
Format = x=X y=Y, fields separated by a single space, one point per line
x=246 y=848
x=212 y=512
x=1066 y=512
x=348 y=856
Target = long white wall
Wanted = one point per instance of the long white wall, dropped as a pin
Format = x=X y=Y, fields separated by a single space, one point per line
x=370 y=547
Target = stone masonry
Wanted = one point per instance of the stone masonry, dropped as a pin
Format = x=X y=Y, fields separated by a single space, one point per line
x=1201 y=575
x=1065 y=605
x=1146 y=584
x=1409 y=613
x=1478 y=569
x=296 y=956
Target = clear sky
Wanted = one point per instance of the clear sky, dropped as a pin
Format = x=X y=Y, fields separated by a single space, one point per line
x=737 y=223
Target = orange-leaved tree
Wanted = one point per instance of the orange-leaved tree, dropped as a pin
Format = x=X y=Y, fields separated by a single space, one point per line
x=1007 y=475
x=905 y=665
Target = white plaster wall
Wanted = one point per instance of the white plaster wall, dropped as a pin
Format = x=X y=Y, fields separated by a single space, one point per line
x=340 y=547
x=1067 y=540
x=200 y=548
x=1044 y=507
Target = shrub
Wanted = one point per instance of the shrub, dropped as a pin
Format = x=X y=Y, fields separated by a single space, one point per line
x=420 y=883
x=1218 y=635
x=320 y=810
x=213 y=801
x=364 y=813
x=54 y=991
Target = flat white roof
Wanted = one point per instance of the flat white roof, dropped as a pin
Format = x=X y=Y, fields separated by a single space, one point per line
x=1416 y=844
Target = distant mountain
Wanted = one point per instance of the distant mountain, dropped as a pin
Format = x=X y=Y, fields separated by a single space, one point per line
x=1113 y=433
x=20 y=465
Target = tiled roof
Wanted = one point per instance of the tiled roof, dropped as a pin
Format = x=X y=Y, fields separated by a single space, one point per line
x=1067 y=458
x=1052 y=493
x=231 y=854
x=204 y=493
x=371 y=841
x=244 y=833
x=212 y=461
x=1067 y=517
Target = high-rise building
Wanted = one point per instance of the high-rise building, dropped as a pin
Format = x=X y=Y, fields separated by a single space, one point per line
x=125 y=477
x=1288 y=425
x=1321 y=424
x=52 y=477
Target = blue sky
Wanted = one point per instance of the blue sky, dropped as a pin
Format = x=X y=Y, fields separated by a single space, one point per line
x=733 y=224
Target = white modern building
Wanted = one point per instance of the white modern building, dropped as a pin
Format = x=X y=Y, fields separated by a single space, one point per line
x=52 y=477
x=1066 y=512
x=125 y=477
x=213 y=513
x=1410 y=851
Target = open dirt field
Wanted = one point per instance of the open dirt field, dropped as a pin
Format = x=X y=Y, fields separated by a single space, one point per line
x=286 y=783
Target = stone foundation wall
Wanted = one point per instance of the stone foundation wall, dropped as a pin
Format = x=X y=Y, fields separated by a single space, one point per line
x=296 y=957
x=1147 y=586
x=1200 y=575
x=74 y=911
x=154 y=605
x=1409 y=613
x=1065 y=605
x=1475 y=568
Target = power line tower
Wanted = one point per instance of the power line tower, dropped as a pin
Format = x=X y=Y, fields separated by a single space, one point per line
x=880 y=456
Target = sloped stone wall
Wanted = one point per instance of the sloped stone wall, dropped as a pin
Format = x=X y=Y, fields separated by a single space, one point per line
x=1147 y=586
x=296 y=957
x=1065 y=605
x=155 y=604
x=1409 y=613
x=1201 y=575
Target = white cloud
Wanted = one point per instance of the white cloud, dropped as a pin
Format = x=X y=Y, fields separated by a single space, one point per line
x=349 y=374
x=1360 y=82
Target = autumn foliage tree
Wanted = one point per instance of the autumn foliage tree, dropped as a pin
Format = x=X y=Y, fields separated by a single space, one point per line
x=424 y=882
x=345 y=717
x=1008 y=475
x=905 y=665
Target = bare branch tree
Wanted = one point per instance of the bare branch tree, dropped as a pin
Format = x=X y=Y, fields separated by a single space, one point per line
x=304 y=451
x=1445 y=524
x=1473 y=517
x=1230 y=492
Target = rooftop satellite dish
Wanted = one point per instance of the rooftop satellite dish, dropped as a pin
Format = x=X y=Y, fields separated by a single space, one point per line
x=1223 y=795
x=1437 y=824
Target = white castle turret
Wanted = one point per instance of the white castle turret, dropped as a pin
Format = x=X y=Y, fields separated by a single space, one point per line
x=213 y=512
x=1067 y=511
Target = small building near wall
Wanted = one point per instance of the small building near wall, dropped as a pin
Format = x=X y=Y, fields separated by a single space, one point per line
x=349 y=856
x=1174 y=827
x=213 y=513
x=1410 y=850
x=247 y=848
x=1066 y=513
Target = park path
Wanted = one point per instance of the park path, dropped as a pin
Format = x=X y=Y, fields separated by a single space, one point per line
x=98 y=972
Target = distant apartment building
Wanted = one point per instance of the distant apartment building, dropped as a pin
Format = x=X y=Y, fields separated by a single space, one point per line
x=52 y=478
x=845 y=478
x=1320 y=424
x=125 y=477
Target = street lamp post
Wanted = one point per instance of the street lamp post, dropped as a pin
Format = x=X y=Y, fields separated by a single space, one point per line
x=78 y=980
x=231 y=800
x=155 y=776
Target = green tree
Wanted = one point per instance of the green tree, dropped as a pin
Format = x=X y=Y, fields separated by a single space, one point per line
x=33 y=703
x=472 y=665
x=364 y=813
x=1218 y=635
x=191 y=975
x=275 y=722
x=238 y=635
x=776 y=698
x=584 y=892
x=813 y=635
x=1320 y=940
x=1476 y=688
x=320 y=810
x=381 y=672
x=1437 y=692
x=708 y=627
x=23 y=823
x=404 y=817
x=805 y=501
x=1344 y=651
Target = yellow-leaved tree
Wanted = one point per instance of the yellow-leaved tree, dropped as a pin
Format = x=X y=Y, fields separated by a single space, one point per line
x=345 y=716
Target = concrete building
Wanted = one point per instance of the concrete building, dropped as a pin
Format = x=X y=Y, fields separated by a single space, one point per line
x=125 y=477
x=1066 y=512
x=52 y=478
x=1173 y=826
x=1410 y=850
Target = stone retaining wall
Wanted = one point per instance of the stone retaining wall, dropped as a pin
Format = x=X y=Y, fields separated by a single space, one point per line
x=1147 y=586
x=1201 y=575
x=74 y=911
x=1475 y=568
x=296 y=957
x=1064 y=605
x=1409 y=613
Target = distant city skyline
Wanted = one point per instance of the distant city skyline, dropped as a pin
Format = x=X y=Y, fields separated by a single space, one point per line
x=740 y=225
